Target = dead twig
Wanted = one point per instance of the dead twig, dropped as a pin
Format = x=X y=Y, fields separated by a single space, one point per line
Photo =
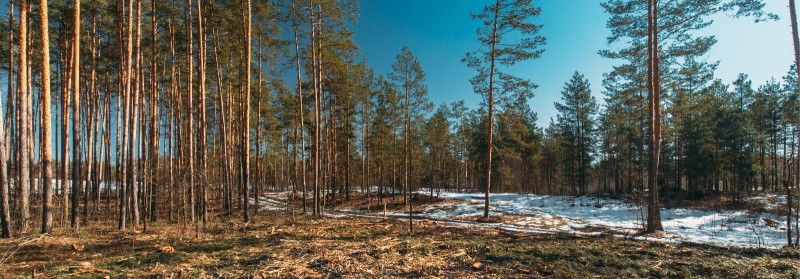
x=8 y=254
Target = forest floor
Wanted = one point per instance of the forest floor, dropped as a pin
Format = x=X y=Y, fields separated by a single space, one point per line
x=752 y=222
x=279 y=246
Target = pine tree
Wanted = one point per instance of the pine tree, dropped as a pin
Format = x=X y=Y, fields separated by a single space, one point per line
x=576 y=121
x=46 y=154
x=77 y=180
x=501 y=46
x=24 y=108
x=648 y=25
x=5 y=209
x=409 y=77
x=796 y=45
x=245 y=173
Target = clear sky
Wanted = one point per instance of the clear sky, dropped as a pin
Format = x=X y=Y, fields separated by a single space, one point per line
x=440 y=33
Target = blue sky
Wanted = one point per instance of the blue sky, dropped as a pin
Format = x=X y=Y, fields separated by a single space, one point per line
x=441 y=32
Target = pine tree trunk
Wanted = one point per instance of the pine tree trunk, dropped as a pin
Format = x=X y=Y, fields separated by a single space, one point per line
x=227 y=205
x=201 y=41
x=173 y=97
x=77 y=180
x=24 y=108
x=154 y=136
x=120 y=145
x=654 y=119
x=260 y=179
x=172 y=114
x=796 y=44
x=490 y=116
x=316 y=111
x=93 y=103
x=300 y=113
x=5 y=209
x=190 y=121
x=406 y=188
x=135 y=132
x=46 y=153
x=246 y=121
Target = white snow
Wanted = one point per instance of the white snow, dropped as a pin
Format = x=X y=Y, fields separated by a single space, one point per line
x=568 y=214
x=591 y=215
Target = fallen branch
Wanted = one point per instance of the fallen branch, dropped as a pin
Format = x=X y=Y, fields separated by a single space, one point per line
x=8 y=254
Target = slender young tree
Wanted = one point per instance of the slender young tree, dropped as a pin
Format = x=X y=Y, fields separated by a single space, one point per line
x=5 y=210
x=246 y=114
x=409 y=77
x=796 y=44
x=24 y=124
x=190 y=119
x=317 y=124
x=506 y=37
x=300 y=106
x=77 y=180
x=201 y=42
x=46 y=152
x=123 y=151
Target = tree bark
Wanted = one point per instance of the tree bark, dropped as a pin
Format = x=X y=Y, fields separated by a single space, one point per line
x=316 y=211
x=24 y=110
x=796 y=44
x=654 y=119
x=260 y=179
x=172 y=114
x=154 y=136
x=190 y=121
x=5 y=210
x=490 y=116
x=46 y=153
x=201 y=42
x=300 y=113
x=246 y=121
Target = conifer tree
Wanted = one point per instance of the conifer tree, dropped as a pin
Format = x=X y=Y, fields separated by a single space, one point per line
x=46 y=153
x=506 y=37
x=576 y=121
x=409 y=78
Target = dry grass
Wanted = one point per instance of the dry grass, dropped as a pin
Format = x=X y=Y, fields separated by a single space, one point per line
x=278 y=247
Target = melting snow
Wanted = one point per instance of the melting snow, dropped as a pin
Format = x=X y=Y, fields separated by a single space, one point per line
x=570 y=214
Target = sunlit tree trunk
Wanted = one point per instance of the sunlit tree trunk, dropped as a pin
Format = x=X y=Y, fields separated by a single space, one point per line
x=154 y=135
x=46 y=152
x=135 y=133
x=93 y=102
x=128 y=135
x=77 y=180
x=24 y=108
